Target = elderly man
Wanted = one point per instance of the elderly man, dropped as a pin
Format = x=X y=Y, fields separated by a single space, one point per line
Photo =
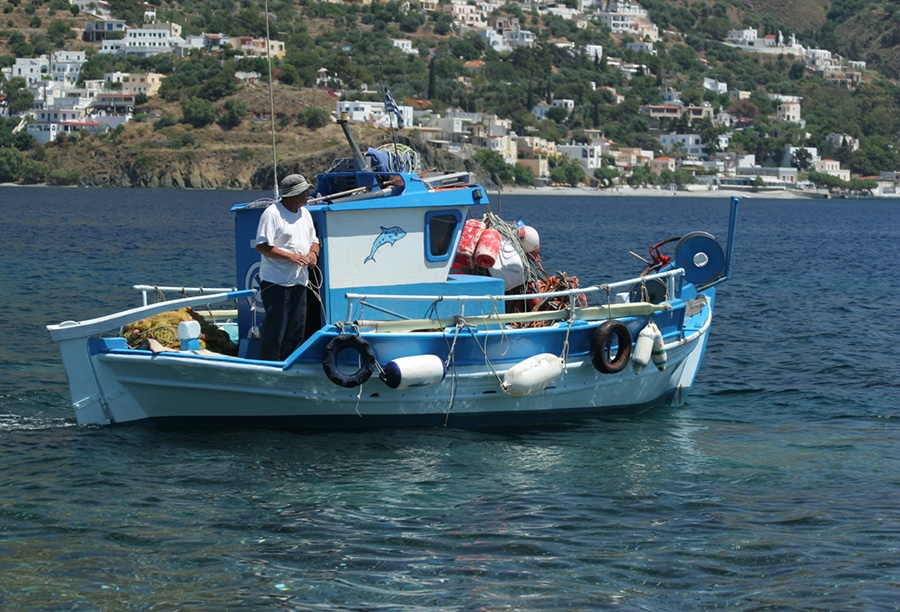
x=287 y=241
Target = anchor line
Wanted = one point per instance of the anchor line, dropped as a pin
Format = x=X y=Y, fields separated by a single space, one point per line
x=450 y=364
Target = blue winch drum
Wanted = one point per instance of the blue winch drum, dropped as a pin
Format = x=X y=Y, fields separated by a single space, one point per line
x=702 y=258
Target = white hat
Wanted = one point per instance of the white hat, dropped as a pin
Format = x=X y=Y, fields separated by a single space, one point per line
x=529 y=237
x=294 y=185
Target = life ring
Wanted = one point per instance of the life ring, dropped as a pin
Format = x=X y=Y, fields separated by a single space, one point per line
x=333 y=371
x=600 y=341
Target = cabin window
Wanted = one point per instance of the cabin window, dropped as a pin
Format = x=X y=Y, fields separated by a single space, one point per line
x=440 y=230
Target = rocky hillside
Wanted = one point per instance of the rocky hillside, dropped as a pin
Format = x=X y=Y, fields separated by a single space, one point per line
x=180 y=156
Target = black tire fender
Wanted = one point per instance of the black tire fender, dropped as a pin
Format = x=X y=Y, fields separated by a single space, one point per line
x=600 y=345
x=332 y=352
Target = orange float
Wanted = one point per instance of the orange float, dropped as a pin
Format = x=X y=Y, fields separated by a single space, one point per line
x=488 y=248
x=465 y=253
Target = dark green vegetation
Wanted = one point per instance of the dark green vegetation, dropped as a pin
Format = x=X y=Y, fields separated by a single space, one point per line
x=352 y=42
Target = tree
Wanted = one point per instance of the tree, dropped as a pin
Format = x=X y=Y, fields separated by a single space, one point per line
x=60 y=31
x=314 y=118
x=19 y=98
x=235 y=111
x=820 y=179
x=287 y=74
x=10 y=165
x=33 y=172
x=557 y=114
x=495 y=165
x=606 y=175
x=523 y=176
x=412 y=22
x=745 y=111
x=569 y=172
x=198 y=112
x=642 y=175
x=801 y=159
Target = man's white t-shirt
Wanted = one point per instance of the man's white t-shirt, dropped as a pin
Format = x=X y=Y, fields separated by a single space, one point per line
x=293 y=232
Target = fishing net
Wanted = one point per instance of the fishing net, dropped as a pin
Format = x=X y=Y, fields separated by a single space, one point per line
x=163 y=328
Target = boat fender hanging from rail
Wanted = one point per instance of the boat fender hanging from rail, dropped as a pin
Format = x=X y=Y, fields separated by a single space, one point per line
x=414 y=371
x=533 y=374
x=601 y=347
x=659 y=349
x=333 y=350
x=643 y=347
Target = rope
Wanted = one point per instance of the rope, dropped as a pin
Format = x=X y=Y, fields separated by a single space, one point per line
x=432 y=312
x=504 y=338
x=565 y=350
x=450 y=364
x=532 y=270
x=483 y=350
x=401 y=158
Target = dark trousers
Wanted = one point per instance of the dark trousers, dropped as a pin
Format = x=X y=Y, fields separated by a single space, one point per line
x=285 y=322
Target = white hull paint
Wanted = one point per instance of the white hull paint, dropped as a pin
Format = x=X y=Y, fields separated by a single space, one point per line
x=172 y=388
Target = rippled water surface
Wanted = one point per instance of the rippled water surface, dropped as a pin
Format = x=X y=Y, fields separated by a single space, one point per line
x=775 y=488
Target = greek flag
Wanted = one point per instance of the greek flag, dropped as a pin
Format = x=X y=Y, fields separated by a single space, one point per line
x=391 y=107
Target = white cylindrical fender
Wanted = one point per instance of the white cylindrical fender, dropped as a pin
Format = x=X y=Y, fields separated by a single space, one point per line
x=643 y=348
x=414 y=371
x=532 y=374
x=659 y=349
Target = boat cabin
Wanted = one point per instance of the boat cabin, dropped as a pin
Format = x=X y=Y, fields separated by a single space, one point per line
x=385 y=236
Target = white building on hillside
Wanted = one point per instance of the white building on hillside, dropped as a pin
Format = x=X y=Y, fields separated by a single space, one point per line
x=100 y=29
x=642 y=47
x=620 y=16
x=505 y=146
x=32 y=69
x=789 y=112
x=146 y=42
x=588 y=156
x=468 y=15
x=519 y=38
x=66 y=65
x=833 y=168
x=100 y=8
x=373 y=112
x=715 y=86
x=790 y=151
x=405 y=46
x=689 y=144
x=749 y=40
x=840 y=140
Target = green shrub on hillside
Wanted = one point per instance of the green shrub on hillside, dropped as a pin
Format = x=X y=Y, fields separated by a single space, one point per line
x=314 y=118
x=235 y=111
x=198 y=112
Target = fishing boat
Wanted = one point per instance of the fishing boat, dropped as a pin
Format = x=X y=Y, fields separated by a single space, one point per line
x=413 y=323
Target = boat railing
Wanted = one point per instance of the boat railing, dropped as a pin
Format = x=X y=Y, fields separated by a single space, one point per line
x=161 y=290
x=82 y=329
x=613 y=307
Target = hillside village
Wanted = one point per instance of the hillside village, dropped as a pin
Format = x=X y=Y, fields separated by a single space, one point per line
x=65 y=104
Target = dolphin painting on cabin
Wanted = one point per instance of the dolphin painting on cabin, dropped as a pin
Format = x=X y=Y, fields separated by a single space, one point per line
x=388 y=235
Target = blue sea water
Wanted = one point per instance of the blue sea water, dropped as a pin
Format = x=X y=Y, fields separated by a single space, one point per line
x=775 y=488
